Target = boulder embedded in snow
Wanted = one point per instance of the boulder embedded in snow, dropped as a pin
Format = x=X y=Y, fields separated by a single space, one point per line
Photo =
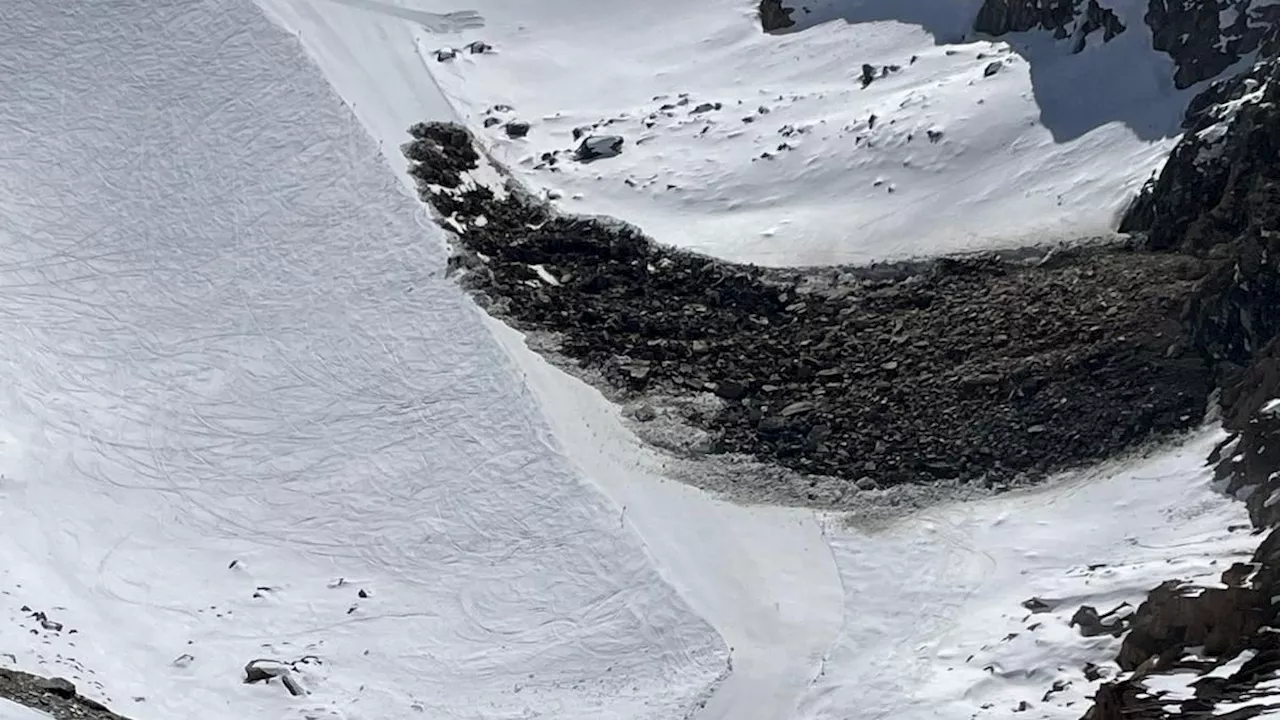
x=597 y=147
x=445 y=54
x=1093 y=624
x=479 y=47
x=992 y=68
x=61 y=687
x=774 y=17
x=516 y=128
x=1040 y=605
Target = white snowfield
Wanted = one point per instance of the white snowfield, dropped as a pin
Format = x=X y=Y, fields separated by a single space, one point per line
x=934 y=156
x=14 y=711
x=246 y=417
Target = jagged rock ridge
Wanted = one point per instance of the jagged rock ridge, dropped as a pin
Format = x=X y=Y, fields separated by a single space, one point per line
x=1076 y=19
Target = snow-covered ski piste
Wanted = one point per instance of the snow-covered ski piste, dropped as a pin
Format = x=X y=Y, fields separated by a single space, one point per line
x=245 y=415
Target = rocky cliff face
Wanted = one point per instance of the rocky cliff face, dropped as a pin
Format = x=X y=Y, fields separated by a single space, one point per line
x=1203 y=37
x=1218 y=197
x=1076 y=19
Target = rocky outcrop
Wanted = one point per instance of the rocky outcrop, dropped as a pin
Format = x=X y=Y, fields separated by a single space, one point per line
x=974 y=369
x=55 y=696
x=1219 y=180
x=1218 y=197
x=1076 y=19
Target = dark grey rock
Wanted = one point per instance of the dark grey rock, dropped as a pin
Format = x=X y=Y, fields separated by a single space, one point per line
x=598 y=147
x=517 y=128
x=902 y=373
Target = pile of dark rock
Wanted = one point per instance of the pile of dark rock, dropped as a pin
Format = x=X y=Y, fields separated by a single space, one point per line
x=1202 y=39
x=55 y=696
x=976 y=368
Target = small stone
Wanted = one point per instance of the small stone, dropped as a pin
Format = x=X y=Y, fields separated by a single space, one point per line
x=491 y=121
x=479 y=47
x=1039 y=605
x=866 y=483
x=517 y=128
x=992 y=68
x=868 y=74
x=446 y=54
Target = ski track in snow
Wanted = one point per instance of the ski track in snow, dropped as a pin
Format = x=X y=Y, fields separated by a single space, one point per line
x=228 y=338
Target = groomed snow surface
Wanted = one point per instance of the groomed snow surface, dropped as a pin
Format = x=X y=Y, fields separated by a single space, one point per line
x=245 y=416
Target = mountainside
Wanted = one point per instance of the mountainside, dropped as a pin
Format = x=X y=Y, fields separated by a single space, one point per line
x=267 y=449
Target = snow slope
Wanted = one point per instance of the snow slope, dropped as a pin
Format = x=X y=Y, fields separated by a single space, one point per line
x=235 y=375
x=1048 y=148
